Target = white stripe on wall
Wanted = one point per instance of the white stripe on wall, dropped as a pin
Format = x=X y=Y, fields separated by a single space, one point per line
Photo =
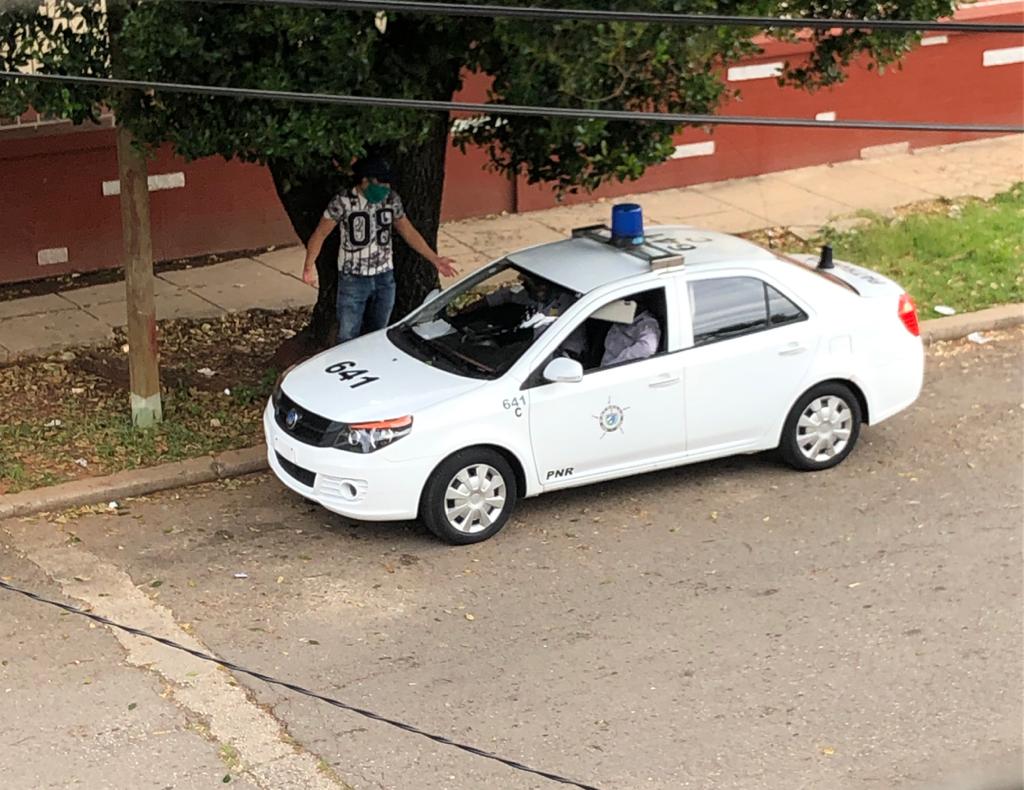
x=155 y=183
x=759 y=71
x=934 y=41
x=694 y=149
x=51 y=256
x=986 y=3
x=826 y=116
x=1003 y=57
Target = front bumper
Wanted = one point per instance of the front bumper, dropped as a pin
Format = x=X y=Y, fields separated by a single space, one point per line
x=365 y=487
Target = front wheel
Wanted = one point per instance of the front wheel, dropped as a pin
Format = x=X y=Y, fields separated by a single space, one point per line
x=469 y=497
x=822 y=428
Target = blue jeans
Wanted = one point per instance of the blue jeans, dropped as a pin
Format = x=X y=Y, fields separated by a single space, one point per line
x=364 y=303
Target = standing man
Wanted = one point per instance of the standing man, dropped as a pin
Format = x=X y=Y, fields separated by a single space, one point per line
x=366 y=216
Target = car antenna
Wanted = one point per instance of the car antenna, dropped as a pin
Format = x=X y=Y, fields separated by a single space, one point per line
x=825 y=262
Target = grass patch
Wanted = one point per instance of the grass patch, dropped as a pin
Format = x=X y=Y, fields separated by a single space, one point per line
x=966 y=253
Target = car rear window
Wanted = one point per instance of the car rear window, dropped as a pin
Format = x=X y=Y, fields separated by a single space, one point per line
x=727 y=307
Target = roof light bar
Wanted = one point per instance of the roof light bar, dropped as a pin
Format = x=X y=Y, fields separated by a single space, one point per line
x=627 y=234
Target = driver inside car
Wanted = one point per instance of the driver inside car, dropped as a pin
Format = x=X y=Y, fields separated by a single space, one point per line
x=533 y=293
x=627 y=342
x=543 y=305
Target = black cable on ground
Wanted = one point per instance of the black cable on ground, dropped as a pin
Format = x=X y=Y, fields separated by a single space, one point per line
x=299 y=689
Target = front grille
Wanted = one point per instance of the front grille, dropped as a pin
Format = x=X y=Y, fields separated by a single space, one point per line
x=304 y=476
x=310 y=428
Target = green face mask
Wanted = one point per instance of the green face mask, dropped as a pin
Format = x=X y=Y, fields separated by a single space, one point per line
x=376 y=193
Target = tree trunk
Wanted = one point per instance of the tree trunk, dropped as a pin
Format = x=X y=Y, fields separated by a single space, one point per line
x=419 y=181
x=304 y=197
x=137 y=252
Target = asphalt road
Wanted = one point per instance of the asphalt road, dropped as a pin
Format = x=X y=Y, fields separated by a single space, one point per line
x=727 y=625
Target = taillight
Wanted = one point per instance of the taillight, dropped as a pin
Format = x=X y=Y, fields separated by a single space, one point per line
x=908 y=315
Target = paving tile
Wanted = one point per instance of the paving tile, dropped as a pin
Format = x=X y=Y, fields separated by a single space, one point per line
x=244 y=284
x=178 y=304
x=497 y=236
x=34 y=305
x=947 y=179
x=43 y=334
x=1012 y=142
x=858 y=186
x=777 y=201
x=110 y=292
x=462 y=254
x=679 y=206
x=564 y=219
x=287 y=260
x=467 y=260
x=730 y=221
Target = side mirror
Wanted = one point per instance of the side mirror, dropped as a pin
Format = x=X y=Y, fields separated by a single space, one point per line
x=563 y=370
x=430 y=296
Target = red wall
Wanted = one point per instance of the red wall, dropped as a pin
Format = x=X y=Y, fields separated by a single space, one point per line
x=946 y=82
x=51 y=179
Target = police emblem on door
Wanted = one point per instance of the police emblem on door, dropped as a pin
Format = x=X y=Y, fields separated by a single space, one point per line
x=611 y=418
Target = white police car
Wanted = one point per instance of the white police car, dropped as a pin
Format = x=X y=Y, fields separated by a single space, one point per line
x=600 y=356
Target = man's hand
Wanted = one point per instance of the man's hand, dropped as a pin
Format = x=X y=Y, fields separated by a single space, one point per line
x=445 y=266
x=313 y=247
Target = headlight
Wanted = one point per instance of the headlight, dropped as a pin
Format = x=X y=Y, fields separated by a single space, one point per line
x=366 y=437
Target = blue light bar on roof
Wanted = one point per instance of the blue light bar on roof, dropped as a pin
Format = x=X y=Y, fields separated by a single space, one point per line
x=627 y=235
x=627 y=224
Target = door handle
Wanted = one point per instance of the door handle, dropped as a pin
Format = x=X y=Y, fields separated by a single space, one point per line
x=665 y=382
x=792 y=350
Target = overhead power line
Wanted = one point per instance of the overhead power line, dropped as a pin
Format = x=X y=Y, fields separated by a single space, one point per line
x=501 y=110
x=647 y=17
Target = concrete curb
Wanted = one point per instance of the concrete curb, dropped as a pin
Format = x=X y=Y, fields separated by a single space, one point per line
x=234 y=463
x=957 y=326
x=135 y=482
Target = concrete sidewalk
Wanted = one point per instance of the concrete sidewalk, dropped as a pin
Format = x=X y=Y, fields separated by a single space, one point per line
x=803 y=200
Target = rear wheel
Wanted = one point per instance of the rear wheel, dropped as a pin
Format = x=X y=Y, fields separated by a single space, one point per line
x=469 y=497
x=822 y=428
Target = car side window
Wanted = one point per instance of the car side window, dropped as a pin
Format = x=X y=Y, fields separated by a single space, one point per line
x=624 y=330
x=781 y=310
x=729 y=307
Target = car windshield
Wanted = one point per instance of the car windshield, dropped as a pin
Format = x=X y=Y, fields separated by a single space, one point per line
x=481 y=327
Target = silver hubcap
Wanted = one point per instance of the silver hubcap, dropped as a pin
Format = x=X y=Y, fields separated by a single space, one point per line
x=824 y=428
x=475 y=498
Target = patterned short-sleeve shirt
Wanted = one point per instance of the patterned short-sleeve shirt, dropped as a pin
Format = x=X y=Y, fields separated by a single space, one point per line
x=366 y=230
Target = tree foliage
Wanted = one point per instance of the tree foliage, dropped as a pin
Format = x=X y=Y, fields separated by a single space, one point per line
x=567 y=64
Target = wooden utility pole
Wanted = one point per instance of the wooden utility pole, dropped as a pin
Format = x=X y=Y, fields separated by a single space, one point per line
x=137 y=245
